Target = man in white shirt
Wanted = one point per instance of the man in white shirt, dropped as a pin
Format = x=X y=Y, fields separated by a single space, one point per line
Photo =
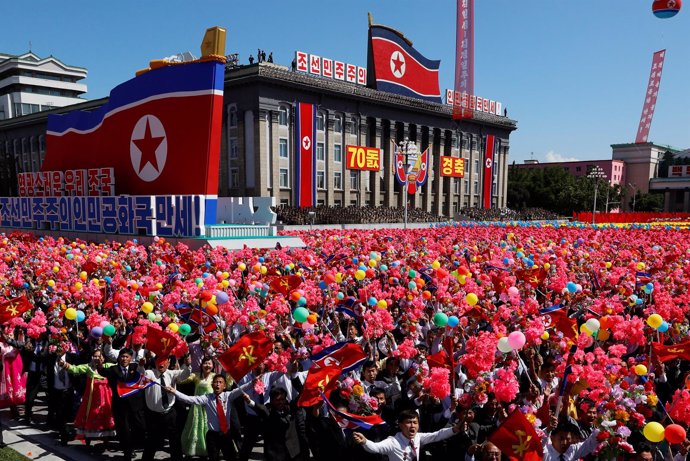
x=560 y=447
x=406 y=444
x=161 y=418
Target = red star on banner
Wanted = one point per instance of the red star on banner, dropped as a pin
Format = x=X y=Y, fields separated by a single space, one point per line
x=398 y=63
x=148 y=145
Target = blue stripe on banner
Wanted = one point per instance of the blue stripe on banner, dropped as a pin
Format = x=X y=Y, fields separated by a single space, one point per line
x=391 y=87
x=298 y=154
x=171 y=79
x=548 y=310
x=393 y=37
x=313 y=156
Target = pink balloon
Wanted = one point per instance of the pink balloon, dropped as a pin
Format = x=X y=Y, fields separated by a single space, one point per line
x=516 y=340
x=513 y=291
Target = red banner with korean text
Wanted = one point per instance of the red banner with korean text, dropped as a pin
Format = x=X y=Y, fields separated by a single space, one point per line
x=650 y=97
x=488 y=182
x=464 y=59
x=363 y=158
x=453 y=167
x=305 y=165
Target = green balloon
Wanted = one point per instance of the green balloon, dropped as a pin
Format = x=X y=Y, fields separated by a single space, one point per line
x=108 y=330
x=152 y=317
x=300 y=314
x=184 y=329
x=440 y=319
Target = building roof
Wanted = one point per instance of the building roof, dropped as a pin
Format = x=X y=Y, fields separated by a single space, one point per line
x=278 y=73
x=30 y=57
x=645 y=144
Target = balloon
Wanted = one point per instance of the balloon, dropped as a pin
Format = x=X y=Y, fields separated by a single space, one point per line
x=665 y=9
x=655 y=321
x=453 y=321
x=593 y=324
x=96 y=332
x=173 y=327
x=545 y=335
x=516 y=340
x=108 y=330
x=312 y=318
x=80 y=316
x=382 y=304
x=640 y=370
x=360 y=274
x=654 y=432
x=184 y=329
x=211 y=309
x=603 y=335
x=221 y=298
x=151 y=317
x=675 y=434
x=503 y=345
x=472 y=299
x=147 y=307
x=70 y=313
x=435 y=265
x=513 y=291
x=302 y=302
x=572 y=287
x=585 y=330
x=300 y=314
x=372 y=301
x=663 y=328
x=440 y=319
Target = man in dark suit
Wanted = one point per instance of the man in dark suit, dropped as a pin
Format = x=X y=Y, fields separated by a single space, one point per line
x=33 y=357
x=128 y=412
x=60 y=391
x=285 y=432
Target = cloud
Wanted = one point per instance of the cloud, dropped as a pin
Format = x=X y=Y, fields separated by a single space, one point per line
x=552 y=156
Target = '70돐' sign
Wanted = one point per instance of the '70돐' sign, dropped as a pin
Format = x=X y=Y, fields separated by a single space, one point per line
x=363 y=158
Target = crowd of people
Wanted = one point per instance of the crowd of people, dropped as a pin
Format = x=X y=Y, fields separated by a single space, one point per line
x=291 y=215
x=477 y=342
x=507 y=214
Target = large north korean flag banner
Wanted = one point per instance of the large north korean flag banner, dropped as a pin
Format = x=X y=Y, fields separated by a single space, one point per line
x=305 y=166
x=396 y=67
x=160 y=132
x=488 y=170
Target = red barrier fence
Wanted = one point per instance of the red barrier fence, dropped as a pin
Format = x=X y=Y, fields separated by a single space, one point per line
x=639 y=217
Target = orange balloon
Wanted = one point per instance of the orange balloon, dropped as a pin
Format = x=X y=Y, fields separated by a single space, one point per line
x=426 y=294
x=211 y=309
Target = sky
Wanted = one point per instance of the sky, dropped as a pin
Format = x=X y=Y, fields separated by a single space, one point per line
x=572 y=73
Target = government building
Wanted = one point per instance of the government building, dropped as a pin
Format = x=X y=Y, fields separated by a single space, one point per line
x=258 y=142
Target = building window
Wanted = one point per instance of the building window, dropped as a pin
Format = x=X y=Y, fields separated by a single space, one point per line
x=234 y=178
x=354 y=180
x=353 y=126
x=320 y=203
x=283 y=116
x=232 y=147
x=283 y=151
x=578 y=169
x=338 y=124
x=338 y=180
x=232 y=116
x=367 y=182
x=474 y=143
x=476 y=187
x=467 y=186
x=285 y=201
x=284 y=178
x=456 y=185
x=338 y=202
x=320 y=151
x=337 y=153
x=475 y=170
x=353 y=202
x=321 y=179
x=320 y=121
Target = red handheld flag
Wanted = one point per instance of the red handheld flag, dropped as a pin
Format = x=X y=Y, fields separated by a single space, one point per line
x=286 y=284
x=13 y=308
x=246 y=354
x=160 y=342
x=517 y=438
x=667 y=353
x=319 y=381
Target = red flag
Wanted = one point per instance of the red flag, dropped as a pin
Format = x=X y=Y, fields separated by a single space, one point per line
x=532 y=276
x=560 y=321
x=499 y=284
x=305 y=181
x=13 y=308
x=487 y=186
x=667 y=353
x=517 y=438
x=160 y=342
x=650 y=96
x=246 y=354
x=439 y=360
x=89 y=267
x=319 y=381
x=286 y=284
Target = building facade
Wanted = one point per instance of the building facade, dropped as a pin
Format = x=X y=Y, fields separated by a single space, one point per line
x=30 y=84
x=258 y=142
x=613 y=169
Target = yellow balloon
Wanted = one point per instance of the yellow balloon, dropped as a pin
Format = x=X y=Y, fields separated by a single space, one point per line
x=78 y=286
x=655 y=321
x=56 y=269
x=545 y=335
x=360 y=274
x=382 y=304
x=83 y=275
x=51 y=283
x=173 y=327
x=640 y=370
x=472 y=299
x=372 y=263
x=547 y=266
x=147 y=307
x=70 y=313
x=640 y=266
x=585 y=330
x=225 y=283
x=339 y=277
x=242 y=266
x=654 y=432
x=264 y=270
x=462 y=279
x=435 y=265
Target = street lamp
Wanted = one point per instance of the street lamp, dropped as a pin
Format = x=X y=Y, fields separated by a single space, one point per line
x=633 y=186
x=596 y=173
x=409 y=150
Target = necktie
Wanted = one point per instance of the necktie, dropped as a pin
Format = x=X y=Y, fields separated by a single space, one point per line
x=561 y=457
x=164 y=396
x=62 y=374
x=221 y=415
x=413 y=451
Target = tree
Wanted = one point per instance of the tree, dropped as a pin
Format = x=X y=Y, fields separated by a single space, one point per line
x=648 y=202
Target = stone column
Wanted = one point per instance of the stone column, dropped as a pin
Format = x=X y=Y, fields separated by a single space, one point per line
x=388 y=134
x=362 y=141
x=374 y=133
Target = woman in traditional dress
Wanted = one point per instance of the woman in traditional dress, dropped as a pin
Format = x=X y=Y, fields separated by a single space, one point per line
x=194 y=432
x=12 y=378
x=94 y=419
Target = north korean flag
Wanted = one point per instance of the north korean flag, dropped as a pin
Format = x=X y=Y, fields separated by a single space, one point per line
x=160 y=132
x=305 y=165
x=396 y=67
x=488 y=170
x=347 y=355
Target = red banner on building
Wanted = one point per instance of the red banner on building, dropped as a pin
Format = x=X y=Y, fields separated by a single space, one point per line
x=453 y=167
x=488 y=182
x=363 y=158
x=464 y=59
x=650 y=96
x=305 y=183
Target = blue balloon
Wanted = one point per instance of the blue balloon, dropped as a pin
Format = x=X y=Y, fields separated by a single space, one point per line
x=639 y=301
x=323 y=285
x=372 y=301
x=108 y=280
x=453 y=321
x=506 y=261
x=663 y=328
x=355 y=260
x=362 y=267
x=302 y=302
x=572 y=287
x=222 y=297
x=650 y=287
x=80 y=316
x=383 y=268
x=261 y=259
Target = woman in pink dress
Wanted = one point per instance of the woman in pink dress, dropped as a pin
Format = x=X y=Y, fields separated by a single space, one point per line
x=12 y=378
x=94 y=419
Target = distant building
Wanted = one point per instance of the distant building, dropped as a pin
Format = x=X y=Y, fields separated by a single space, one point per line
x=30 y=84
x=613 y=169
